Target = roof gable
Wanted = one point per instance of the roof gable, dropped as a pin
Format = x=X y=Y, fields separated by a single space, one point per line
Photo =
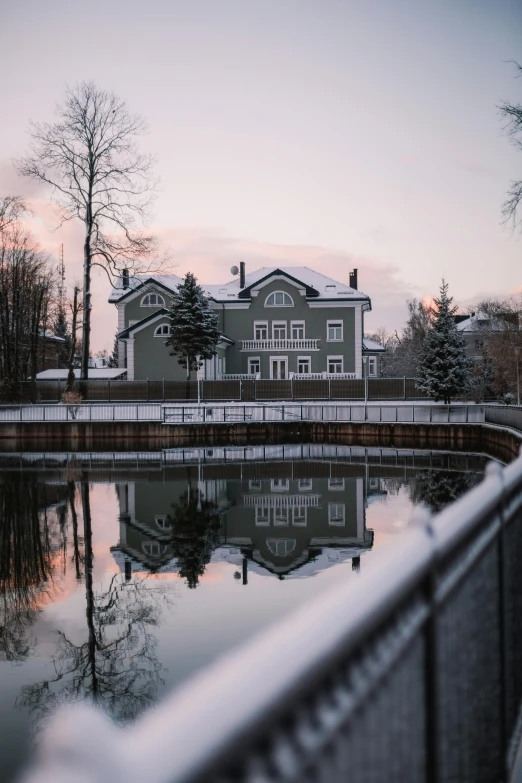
x=245 y=293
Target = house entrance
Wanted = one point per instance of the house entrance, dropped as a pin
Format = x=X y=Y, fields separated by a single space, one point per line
x=279 y=368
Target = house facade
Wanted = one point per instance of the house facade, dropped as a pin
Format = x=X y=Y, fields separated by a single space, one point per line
x=276 y=323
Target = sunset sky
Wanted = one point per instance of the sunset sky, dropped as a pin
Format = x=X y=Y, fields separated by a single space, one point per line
x=326 y=133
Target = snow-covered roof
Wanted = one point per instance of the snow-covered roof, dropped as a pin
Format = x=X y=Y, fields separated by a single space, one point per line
x=477 y=321
x=372 y=345
x=96 y=373
x=318 y=285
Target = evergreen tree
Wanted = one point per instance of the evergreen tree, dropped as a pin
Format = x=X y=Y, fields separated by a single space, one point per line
x=444 y=369
x=195 y=534
x=114 y=357
x=61 y=329
x=193 y=325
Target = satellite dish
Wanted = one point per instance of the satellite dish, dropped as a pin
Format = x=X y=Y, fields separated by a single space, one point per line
x=234 y=270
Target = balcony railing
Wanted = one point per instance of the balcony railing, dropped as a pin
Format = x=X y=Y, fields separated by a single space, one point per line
x=282 y=501
x=304 y=344
x=317 y=376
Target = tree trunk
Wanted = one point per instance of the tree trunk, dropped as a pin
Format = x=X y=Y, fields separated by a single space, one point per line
x=86 y=325
x=70 y=362
x=89 y=588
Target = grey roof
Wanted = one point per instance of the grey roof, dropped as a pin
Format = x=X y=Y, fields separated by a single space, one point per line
x=372 y=346
x=316 y=284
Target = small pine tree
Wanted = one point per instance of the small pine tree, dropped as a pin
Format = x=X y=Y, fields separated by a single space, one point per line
x=61 y=329
x=444 y=368
x=115 y=355
x=194 y=331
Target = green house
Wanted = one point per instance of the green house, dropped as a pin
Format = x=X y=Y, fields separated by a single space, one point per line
x=276 y=323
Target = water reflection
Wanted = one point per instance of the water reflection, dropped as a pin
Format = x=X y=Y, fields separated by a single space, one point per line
x=94 y=563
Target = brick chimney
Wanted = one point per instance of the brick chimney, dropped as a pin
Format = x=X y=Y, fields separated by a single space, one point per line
x=353 y=279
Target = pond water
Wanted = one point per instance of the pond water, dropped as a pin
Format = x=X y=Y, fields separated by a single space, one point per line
x=120 y=575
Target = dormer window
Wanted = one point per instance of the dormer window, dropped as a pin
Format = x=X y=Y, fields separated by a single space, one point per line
x=153 y=300
x=163 y=330
x=279 y=299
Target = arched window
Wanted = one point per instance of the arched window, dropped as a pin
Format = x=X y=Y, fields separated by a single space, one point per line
x=154 y=548
x=279 y=299
x=281 y=547
x=153 y=300
x=163 y=522
x=163 y=330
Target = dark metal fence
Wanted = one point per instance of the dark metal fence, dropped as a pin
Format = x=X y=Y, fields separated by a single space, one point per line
x=226 y=390
x=504 y=415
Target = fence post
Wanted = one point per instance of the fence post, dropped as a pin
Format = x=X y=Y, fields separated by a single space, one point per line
x=163 y=388
x=241 y=390
x=329 y=388
x=404 y=387
x=148 y=400
x=109 y=389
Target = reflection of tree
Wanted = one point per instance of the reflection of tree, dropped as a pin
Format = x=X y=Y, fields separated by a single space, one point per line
x=116 y=666
x=26 y=548
x=195 y=528
x=437 y=488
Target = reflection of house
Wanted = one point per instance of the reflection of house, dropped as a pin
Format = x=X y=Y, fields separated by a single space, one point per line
x=280 y=525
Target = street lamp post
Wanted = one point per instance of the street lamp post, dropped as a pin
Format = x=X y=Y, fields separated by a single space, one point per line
x=517 y=350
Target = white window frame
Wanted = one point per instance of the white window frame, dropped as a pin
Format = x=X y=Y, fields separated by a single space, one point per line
x=279 y=325
x=149 y=547
x=336 y=519
x=280 y=486
x=372 y=363
x=254 y=485
x=302 y=522
x=262 y=515
x=252 y=359
x=144 y=303
x=334 y=359
x=159 y=333
x=331 y=324
x=162 y=522
x=305 y=487
x=297 y=325
x=281 y=516
x=285 y=293
x=336 y=484
x=260 y=325
x=304 y=359
x=276 y=545
x=279 y=359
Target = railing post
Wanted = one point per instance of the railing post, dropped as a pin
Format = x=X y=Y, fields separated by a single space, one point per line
x=163 y=388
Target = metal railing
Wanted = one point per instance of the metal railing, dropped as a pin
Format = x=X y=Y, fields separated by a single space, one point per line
x=505 y=415
x=215 y=414
x=411 y=672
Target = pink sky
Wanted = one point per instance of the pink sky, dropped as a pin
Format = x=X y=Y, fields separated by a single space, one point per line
x=329 y=134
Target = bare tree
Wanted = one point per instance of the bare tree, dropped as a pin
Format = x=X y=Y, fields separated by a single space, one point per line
x=11 y=209
x=27 y=287
x=76 y=307
x=90 y=158
x=511 y=114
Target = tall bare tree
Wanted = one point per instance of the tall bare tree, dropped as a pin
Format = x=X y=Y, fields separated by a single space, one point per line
x=511 y=114
x=90 y=159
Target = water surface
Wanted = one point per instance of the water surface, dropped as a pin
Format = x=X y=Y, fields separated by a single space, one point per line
x=123 y=574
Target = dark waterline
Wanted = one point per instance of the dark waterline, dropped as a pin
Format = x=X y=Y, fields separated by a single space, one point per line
x=118 y=582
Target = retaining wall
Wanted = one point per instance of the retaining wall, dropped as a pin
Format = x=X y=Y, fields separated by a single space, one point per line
x=87 y=436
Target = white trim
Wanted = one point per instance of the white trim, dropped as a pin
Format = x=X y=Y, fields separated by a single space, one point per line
x=304 y=359
x=304 y=489
x=297 y=324
x=333 y=523
x=359 y=494
x=320 y=303
x=254 y=359
x=301 y=522
x=273 y=293
x=121 y=317
x=278 y=324
x=335 y=359
x=130 y=358
x=163 y=303
x=334 y=322
x=261 y=324
x=138 y=328
x=254 y=291
x=279 y=359
x=163 y=334
x=370 y=360
x=358 y=340
x=336 y=487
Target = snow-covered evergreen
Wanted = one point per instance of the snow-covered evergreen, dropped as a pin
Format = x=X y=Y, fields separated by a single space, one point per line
x=193 y=326
x=444 y=370
x=114 y=357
